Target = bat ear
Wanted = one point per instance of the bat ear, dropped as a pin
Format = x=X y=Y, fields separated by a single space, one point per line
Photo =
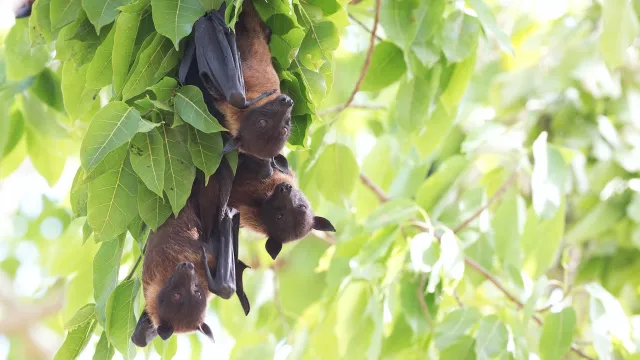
x=322 y=224
x=231 y=145
x=145 y=331
x=273 y=247
x=205 y=329
x=281 y=163
x=165 y=331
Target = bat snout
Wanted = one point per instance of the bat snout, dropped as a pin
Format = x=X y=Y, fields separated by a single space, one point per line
x=284 y=101
x=188 y=266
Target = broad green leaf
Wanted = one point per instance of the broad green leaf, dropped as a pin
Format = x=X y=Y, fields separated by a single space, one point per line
x=206 y=150
x=463 y=349
x=152 y=64
x=391 y=213
x=460 y=36
x=437 y=185
x=492 y=337
x=63 y=12
x=539 y=255
x=153 y=209
x=126 y=32
x=339 y=161
x=209 y=5
x=179 y=171
x=460 y=77
x=78 y=98
x=84 y=315
x=114 y=125
x=548 y=177
x=284 y=47
x=22 y=60
x=321 y=39
x=413 y=101
x=76 y=340
x=507 y=224
x=174 y=19
x=41 y=117
x=112 y=201
x=164 y=89
x=454 y=326
x=100 y=71
x=47 y=155
x=104 y=350
x=619 y=29
x=40 y=31
x=121 y=320
x=47 y=87
x=490 y=25
x=106 y=265
x=148 y=160
x=407 y=21
x=79 y=194
x=191 y=107
x=14 y=131
x=166 y=348
x=557 y=334
x=601 y=218
x=113 y=160
x=102 y=12
x=387 y=66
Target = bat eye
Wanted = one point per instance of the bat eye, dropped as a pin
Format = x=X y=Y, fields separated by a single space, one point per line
x=262 y=123
x=280 y=216
x=175 y=297
x=302 y=207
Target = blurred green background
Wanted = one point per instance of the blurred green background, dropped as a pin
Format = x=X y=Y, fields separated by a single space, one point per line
x=484 y=185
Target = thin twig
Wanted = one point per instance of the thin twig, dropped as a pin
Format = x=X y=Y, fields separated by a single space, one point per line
x=374 y=187
x=367 y=60
x=362 y=25
x=468 y=261
x=339 y=108
x=423 y=304
x=493 y=199
x=135 y=266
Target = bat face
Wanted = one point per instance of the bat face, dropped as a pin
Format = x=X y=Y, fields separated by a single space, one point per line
x=287 y=213
x=266 y=128
x=181 y=302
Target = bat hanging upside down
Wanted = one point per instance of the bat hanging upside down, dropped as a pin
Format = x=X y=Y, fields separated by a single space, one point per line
x=236 y=75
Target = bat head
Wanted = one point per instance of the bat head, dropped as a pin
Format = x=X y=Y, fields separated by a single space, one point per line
x=266 y=128
x=287 y=216
x=179 y=307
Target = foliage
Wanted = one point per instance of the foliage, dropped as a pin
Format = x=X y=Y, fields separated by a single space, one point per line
x=483 y=181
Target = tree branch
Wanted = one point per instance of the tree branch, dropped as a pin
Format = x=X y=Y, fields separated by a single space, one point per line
x=339 y=108
x=467 y=260
x=363 y=26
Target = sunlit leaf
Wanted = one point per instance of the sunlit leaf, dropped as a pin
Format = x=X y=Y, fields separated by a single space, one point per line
x=460 y=36
x=77 y=339
x=101 y=13
x=106 y=264
x=174 y=19
x=154 y=210
x=557 y=334
x=191 y=107
x=387 y=66
x=337 y=160
x=23 y=60
x=619 y=30
x=104 y=350
x=121 y=320
x=179 y=170
x=148 y=159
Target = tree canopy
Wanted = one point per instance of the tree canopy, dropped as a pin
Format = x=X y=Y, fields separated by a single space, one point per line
x=478 y=158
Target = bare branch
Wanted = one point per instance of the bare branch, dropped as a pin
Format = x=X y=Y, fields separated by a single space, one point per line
x=339 y=108
x=374 y=187
x=362 y=25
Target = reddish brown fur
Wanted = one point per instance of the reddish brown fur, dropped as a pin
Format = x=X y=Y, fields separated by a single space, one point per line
x=248 y=197
x=257 y=70
x=175 y=241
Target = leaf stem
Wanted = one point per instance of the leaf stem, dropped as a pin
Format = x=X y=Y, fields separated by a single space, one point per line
x=362 y=25
x=135 y=266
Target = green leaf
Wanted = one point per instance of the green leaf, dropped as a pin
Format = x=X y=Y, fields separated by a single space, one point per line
x=490 y=25
x=463 y=349
x=63 y=12
x=284 y=48
x=396 y=211
x=321 y=39
x=437 y=185
x=77 y=97
x=454 y=326
x=40 y=23
x=174 y=19
x=539 y=255
x=179 y=172
x=206 y=150
x=407 y=21
x=507 y=224
x=121 y=320
x=619 y=30
x=164 y=89
x=148 y=160
x=41 y=117
x=47 y=87
x=14 y=132
x=209 y=5
x=100 y=71
x=167 y=349
x=414 y=99
x=492 y=337
x=114 y=125
x=76 y=340
x=339 y=161
x=153 y=209
x=458 y=83
x=47 y=155
x=23 y=60
x=102 y=12
x=112 y=201
x=460 y=36
x=387 y=66
x=79 y=194
x=190 y=105
x=106 y=265
x=104 y=349
x=548 y=178
x=557 y=334
x=84 y=315
x=601 y=218
x=126 y=32
x=607 y=318
x=152 y=64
